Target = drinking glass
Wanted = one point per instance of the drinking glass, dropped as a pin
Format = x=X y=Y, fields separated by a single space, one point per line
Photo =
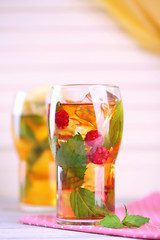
x=37 y=168
x=85 y=124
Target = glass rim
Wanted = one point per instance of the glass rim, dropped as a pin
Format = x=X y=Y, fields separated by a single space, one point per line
x=85 y=85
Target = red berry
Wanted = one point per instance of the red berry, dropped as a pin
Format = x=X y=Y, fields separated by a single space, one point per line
x=64 y=137
x=90 y=153
x=61 y=119
x=94 y=138
x=100 y=155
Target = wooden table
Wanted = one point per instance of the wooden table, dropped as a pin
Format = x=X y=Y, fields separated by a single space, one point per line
x=10 y=228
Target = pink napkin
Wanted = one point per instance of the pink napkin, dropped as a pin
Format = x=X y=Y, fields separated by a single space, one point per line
x=148 y=207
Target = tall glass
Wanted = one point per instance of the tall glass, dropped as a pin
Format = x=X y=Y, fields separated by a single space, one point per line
x=85 y=130
x=37 y=168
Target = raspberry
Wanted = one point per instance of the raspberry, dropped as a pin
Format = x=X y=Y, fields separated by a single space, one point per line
x=61 y=119
x=90 y=153
x=94 y=138
x=100 y=155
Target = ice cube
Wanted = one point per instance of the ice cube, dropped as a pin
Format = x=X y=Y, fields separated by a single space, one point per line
x=87 y=98
x=112 y=99
x=86 y=115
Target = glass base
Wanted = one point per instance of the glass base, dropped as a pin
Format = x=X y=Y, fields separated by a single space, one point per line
x=36 y=208
x=78 y=222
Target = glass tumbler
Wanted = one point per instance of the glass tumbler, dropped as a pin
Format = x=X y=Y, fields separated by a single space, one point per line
x=37 y=168
x=85 y=124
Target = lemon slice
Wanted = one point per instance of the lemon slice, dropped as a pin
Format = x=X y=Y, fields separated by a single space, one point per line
x=36 y=101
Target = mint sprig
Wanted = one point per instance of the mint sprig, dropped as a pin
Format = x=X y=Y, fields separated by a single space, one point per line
x=112 y=221
x=71 y=157
x=134 y=220
x=86 y=204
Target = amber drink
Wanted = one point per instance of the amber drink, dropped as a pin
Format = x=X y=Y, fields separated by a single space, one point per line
x=37 y=169
x=85 y=135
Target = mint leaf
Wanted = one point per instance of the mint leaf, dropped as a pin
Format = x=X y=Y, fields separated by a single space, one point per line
x=134 y=220
x=72 y=153
x=116 y=128
x=126 y=211
x=58 y=106
x=85 y=203
x=26 y=131
x=71 y=157
x=111 y=221
x=78 y=171
x=70 y=178
x=37 y=151
x=37 y=119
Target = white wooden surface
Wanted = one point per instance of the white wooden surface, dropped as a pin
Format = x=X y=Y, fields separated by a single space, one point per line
x=76 y=41
x=10 y=228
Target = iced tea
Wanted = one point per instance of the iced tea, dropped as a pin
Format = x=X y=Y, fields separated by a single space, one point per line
x=37 y=168
x=85 y=139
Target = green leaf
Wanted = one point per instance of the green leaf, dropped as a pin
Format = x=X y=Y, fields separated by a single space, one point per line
x=111 y=221
x=70 y=180
x=72 y=153
x=72 y=177
x=37 y=151
x=126 y=211
x=71 y=157
x=26 y=131
x=116 y=128
x=134 y=220
x=58 y=106
x=78 y=171
x=107 y=143
x=86 y=204
x=37 y=119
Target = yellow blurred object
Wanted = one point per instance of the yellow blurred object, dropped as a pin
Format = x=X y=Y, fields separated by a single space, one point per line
x=37 y=168
x=41 y=169
x=23 y=147
x=35 y=101
x=141 y=18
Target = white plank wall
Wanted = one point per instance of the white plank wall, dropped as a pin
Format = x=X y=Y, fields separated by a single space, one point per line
x=77 y=41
